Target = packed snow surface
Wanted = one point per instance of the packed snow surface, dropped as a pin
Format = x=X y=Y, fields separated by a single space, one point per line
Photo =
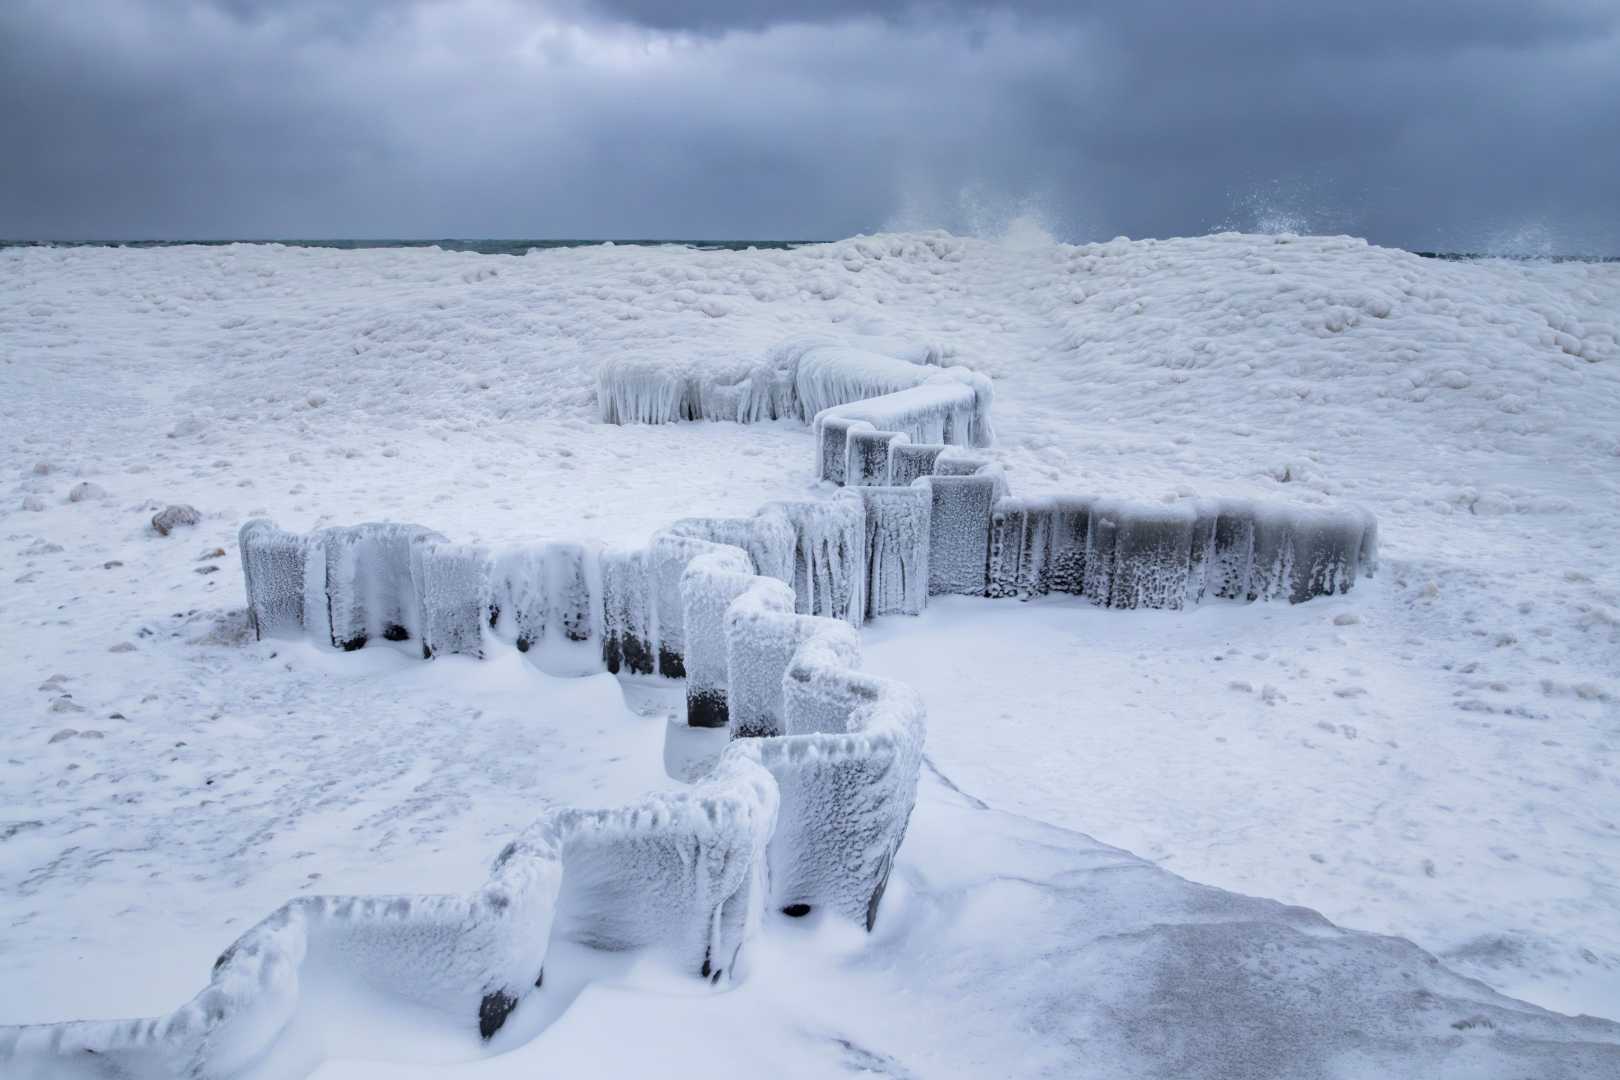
x=1436 y=755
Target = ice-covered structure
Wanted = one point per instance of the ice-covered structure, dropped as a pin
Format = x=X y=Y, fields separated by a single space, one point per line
x=680 y=872
x=802 y=379
x=1120 y=553
x=807 y=805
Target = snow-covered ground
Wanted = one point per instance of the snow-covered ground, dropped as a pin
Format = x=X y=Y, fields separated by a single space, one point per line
x=1435 y=756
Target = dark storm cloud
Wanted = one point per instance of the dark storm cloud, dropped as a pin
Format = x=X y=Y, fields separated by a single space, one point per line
x=1447 y=123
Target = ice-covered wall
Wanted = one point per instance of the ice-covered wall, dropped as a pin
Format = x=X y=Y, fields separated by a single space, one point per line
x=1125 y=554
x=682 y=873
x=803 y=379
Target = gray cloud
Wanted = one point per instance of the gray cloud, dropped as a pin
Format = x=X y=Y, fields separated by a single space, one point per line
x=1447 y=124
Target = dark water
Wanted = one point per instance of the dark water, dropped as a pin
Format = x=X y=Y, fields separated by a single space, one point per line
x=482 y=247
x=520 y=247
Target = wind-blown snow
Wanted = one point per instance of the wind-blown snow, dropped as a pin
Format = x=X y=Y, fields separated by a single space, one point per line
x=1446 y=751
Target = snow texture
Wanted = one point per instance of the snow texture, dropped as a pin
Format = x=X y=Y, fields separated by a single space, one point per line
x=897 y=546
x=1125 y=554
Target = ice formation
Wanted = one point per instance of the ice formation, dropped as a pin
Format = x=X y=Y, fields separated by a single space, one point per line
x=682 y=873
x=369 y=591
x=898 y=527
x=807 y=806
x=802 y=379
x=1126 y=554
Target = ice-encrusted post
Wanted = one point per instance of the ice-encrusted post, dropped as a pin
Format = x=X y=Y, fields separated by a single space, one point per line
x=708 y=586
x=897 y=544
x=369 y=591
x=453 y=594
x=868 y=464
x=273 y=572
x=848 y=776
x=763 y=634
x=832 y=438
x=829 y=575
x=680 y=872
x=627 y=622
x=960 y=514
x=907 y=461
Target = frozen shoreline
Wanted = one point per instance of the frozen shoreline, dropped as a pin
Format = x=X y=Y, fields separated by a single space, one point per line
x=324 y=385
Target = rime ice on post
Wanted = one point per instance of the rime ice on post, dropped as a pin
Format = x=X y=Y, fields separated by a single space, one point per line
x=959 y=533
x=681 y=873
x=868 y=464
x=1151 y=555
x=829 y=574
x=708 y=586
x=768 y=537
x=897 y=538
x=848 y=777
x=453 y=591
x=547 y=599
x=369 y=592
x=762 y=637
x=627 y=597
x=907 y=461
x=832 y=437
x=273 y=571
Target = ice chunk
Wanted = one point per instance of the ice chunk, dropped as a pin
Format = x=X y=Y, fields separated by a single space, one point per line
x=680 y=872
x=273 y=571
x=868 y=463
x=453 y=592
x=959 y=532
x=369 y=592
x=897 y=538
x=708 y=586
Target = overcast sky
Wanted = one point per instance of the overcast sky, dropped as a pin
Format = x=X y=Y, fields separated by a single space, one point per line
x=1452 y=124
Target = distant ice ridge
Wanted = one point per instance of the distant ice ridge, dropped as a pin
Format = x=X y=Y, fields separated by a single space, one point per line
x=801 y=380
